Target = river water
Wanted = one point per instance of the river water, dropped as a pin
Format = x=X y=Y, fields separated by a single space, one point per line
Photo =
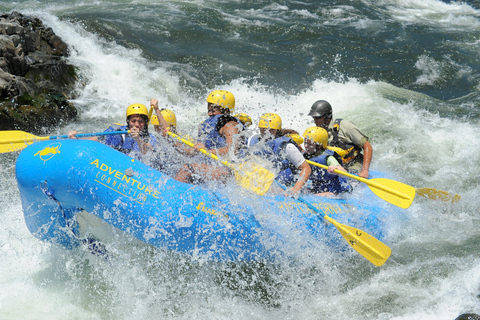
x=405 y=71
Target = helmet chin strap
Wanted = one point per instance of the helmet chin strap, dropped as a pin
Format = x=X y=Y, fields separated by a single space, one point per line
x=328 y=119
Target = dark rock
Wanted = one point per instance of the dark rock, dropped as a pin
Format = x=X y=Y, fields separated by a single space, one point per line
x=35 y=79
x=468 y=316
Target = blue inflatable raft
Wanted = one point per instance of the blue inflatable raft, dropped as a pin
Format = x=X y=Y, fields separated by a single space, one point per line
x=60 y=180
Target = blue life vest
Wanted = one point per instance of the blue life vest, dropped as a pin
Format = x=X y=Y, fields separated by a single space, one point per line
x=323 y=181
x=209 y=135
x=209 y=131
x=271 y=149
x=123 y=142
x=274 y=150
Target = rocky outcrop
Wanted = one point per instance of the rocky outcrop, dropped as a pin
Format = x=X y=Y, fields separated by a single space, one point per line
x=35 y=80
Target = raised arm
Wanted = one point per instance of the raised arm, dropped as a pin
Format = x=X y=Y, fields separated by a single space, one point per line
x=161 y=120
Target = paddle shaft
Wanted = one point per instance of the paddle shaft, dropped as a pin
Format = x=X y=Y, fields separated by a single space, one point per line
x=150 y=115
x=248 y=175
x=211 y=155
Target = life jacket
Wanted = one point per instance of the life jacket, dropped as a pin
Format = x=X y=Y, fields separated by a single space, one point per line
x=272 y=150
x=123 y=142
x=209 y=131
x=347 y=151
x=322 y=181
x=321 y=174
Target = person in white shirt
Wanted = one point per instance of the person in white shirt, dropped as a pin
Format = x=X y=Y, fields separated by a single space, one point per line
x=282 y=151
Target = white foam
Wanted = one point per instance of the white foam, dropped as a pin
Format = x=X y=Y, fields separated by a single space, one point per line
x=420 y=147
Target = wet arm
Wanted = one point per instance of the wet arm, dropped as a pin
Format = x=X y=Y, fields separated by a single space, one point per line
x=72 y=135
x=367 y=158
x=305 y=171
x=161 y=120
x=230 y=133
x=297 y=159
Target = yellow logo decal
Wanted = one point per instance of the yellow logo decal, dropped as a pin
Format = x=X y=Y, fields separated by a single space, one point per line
x=49 y=151
x=201 y=207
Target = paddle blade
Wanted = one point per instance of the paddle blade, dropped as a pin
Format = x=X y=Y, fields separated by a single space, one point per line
x=397 y=193
x=435 y=194
x=253 y=177
x=11 y=141
x=371 y=248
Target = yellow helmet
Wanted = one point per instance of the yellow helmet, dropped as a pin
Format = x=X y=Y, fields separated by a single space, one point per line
x=154 y=120
x=169 y=117
x=137 y=108
x=222 y=98
x=270 y=121
x=317 y=135
x=244 y=118
x=298 y=139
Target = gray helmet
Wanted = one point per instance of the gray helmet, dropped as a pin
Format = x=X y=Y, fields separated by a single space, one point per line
x=320 y=108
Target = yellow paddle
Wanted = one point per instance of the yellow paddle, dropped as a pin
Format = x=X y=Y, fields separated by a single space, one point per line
x=371 y=248
x=17 y=140
x=397 y=193
x=435 y=194
x=150 y=115
x=249 y=175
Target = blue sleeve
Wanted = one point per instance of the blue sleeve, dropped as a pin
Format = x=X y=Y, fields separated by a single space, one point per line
x=339 y=185
x=114 y=140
